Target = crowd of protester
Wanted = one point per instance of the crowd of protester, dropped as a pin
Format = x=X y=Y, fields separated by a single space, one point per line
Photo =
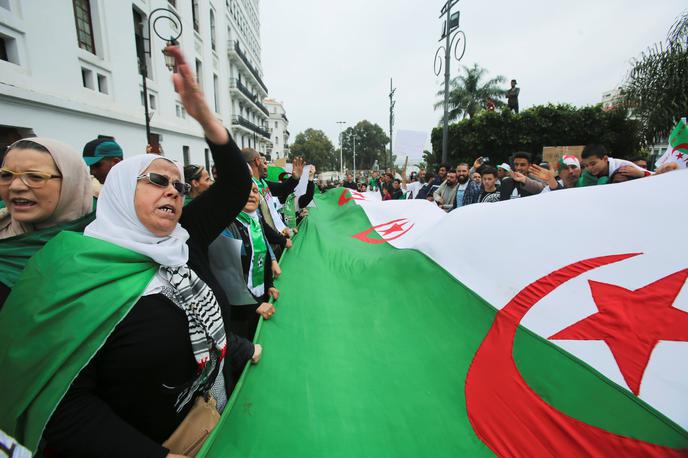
x=214 y=237
x=452 y=188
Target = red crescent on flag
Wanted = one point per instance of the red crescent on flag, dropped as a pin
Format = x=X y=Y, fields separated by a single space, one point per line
x=395 y=227
x=354 y=195
x=509 y=417
x=678 y=147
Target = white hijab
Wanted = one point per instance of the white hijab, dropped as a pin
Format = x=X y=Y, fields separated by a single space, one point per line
x=116 y=220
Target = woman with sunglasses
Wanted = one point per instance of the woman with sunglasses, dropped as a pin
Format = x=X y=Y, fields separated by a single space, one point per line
x=46 y=188
x=142 y=338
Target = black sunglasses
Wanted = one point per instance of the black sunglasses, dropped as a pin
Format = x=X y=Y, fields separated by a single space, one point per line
x=163 y=182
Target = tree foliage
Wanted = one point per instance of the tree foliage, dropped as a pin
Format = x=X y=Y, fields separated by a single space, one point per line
x=469 y=94
x=499 y=135
x=371 y=141
x=316 y=148
x=657 y=85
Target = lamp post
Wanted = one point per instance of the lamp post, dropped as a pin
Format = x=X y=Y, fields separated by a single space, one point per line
x=450 y=35
x=353 y=138
x=341 y=147
x=161 y=13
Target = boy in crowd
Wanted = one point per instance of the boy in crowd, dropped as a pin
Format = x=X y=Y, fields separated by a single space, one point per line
x=599 y=167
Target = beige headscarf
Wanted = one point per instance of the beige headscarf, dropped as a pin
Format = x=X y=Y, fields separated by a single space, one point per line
x=76 y=195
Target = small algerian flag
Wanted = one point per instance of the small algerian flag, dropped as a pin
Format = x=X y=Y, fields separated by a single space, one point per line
x=404 y=331
x=678 y=146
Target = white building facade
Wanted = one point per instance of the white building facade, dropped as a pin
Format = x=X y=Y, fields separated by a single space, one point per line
x=69 y=69
x=279 y=129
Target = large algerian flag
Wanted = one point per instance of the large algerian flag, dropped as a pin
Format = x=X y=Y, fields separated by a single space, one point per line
x=66 y=303
x=677 y=151
x=546 y=326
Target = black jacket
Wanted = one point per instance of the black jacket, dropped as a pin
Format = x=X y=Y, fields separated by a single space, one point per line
x=123 y=402
x=282 y=189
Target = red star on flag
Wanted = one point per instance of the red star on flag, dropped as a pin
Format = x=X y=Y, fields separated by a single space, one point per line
x=679 y=156
x=633 y=322
x=396 y=227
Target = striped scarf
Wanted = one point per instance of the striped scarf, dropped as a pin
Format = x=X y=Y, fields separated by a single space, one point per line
x=206 y=332
x=196 y=299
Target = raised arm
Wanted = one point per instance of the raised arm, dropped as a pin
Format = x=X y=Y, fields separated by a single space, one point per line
x=207 y=215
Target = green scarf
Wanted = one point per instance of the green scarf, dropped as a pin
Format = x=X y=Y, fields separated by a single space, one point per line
x=262 y=185
x=289 y=211
x=16 y=251
x=588 y=179
x=56 y=319
x=260 y=249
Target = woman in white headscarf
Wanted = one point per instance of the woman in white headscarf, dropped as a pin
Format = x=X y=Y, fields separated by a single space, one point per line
x=168 y=351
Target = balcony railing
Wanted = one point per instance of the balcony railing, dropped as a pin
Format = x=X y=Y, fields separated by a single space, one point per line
x=250 y=95
x=285 y=117
x=250 y=67
x=241 y=121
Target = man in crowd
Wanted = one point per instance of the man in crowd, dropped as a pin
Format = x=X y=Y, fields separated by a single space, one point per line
x=445 y=196
x=374 y=182
x=519 y=184
x=270 y=192
x=101 y=155
x=640 y=162
x=424 y=190
x=569 y=173
x=349 y=182
x=503 y=171
x=599 y=167
x=512 y=96
x=485 y=191
x=475 y=176
x=462 y=178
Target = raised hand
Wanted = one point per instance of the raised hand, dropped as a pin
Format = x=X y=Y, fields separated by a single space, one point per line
x=193 y=99
x=297 y=167
x=518 y=177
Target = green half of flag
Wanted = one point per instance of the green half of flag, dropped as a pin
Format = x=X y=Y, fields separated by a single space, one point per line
x=369 y=352
x=276 y=173
x=16 y=251
x=65 y=304
x=679 y=136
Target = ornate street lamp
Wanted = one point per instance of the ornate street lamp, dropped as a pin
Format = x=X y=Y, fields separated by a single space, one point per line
x=175 y=20
x=456 y=40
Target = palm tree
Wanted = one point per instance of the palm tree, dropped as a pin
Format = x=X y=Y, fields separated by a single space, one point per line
x=468 y=94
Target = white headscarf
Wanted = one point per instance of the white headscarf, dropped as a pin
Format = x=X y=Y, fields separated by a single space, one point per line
x=116 y=220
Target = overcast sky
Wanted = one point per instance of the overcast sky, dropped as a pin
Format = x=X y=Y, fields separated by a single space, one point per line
x=332 y=61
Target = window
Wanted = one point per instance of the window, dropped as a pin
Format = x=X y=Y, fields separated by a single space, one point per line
x=207 y=160
x=275 y=124
x=185 y=152
x=216 y=90
x=3 y=50
x=152 y=102
x=9 y=52
x=212 y=29
x=87 y=78
x=84 y=25
x=5 y=4
x=199 y=73
x=102 y=84
x=143 y=60
x=172 y=3
x=194 y=14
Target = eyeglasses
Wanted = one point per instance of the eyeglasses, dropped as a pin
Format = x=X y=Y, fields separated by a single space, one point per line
x=162 y=181
x=31 y=179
